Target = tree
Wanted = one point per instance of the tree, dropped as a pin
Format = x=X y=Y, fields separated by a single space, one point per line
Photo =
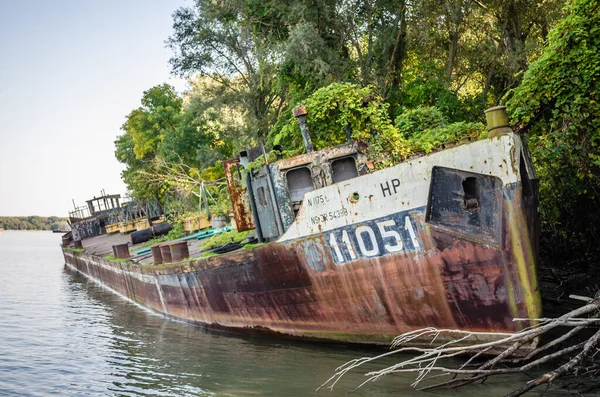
x=216 y=108
x=33 y=223
x=144 y=130
x=558 y=107
x=215 y=40
x=155 y=119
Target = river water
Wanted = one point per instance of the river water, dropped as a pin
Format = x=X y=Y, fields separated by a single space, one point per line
x=61 y=334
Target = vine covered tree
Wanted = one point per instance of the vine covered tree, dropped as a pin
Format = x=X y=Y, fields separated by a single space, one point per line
x=557 y=106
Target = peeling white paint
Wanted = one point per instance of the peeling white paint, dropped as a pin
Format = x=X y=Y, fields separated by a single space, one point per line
x=402 y=187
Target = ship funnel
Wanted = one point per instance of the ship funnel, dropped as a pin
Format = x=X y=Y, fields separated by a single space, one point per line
x=497 y=121
x=300 y=113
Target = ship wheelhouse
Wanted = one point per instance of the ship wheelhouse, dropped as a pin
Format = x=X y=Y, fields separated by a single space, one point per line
x=276 y=190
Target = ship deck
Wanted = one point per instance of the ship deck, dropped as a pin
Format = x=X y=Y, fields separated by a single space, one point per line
x=102 y=246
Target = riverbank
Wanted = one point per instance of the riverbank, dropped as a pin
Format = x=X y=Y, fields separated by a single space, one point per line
x=33 y=222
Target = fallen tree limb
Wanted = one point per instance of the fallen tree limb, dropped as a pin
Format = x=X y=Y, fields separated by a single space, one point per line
x=575 y=357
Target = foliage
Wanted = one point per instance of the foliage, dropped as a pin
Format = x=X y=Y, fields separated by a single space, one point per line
x=33 y=223
x=252 y=246
x=219 y=202
x=112 y=258
x=173 y=145
x=221 y=113
x=427 y=86
x=426 y=129
x=558 y=106
x=336 y=107
x=331 y=110
x=144 y=130
x=418 y=119
x=225 y=238
x=175 y=233
x=272 y=156
x=267 y=57
x=427 y=140
x=341 y=106
x=150 y=123
x=213 y=39
x=153 y=241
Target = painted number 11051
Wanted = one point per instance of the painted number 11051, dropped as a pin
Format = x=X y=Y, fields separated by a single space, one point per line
x=373 y=239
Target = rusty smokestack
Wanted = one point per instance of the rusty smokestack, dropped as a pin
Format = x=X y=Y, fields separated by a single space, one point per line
x=300 y=113
x=497 y=121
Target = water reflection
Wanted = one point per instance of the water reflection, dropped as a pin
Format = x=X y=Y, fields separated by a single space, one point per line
x=154 y=356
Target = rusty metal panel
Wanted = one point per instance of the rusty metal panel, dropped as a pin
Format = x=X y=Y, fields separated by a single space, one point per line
x=242 y=211
x=264 y=205
x=466 y=203
x=179 y=251
x=399 y=188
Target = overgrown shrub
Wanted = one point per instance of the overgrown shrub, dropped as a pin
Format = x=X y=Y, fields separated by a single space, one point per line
x=557 y=106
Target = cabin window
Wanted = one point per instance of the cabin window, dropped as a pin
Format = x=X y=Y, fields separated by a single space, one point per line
x=344 y=169
x=299 y=183
x=261 y=195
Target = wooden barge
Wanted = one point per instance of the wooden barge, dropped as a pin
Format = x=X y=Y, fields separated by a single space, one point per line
x=447 y=240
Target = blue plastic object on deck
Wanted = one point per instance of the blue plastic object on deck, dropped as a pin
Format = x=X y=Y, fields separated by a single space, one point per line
x=197 y=236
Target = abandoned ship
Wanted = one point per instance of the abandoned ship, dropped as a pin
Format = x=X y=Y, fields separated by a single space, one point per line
x=446 y=240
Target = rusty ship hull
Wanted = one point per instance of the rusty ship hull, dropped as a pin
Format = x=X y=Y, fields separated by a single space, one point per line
x=447 y=240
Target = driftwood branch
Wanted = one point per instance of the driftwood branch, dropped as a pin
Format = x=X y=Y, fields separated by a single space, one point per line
x=515 y=353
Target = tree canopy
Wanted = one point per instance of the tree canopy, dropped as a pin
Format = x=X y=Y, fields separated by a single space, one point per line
x=405 y=75
x=557 y=106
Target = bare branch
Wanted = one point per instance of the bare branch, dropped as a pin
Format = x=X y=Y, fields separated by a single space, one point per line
x=425 y=363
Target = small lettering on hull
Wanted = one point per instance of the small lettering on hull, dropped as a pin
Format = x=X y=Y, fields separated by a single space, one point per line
x=329 y=216
x=389 y=188
x=317 y=200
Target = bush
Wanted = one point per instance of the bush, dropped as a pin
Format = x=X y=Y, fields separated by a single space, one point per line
x=416 y=120
x=558 y=106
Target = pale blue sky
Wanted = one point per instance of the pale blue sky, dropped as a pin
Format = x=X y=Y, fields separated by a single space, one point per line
x=70 y=71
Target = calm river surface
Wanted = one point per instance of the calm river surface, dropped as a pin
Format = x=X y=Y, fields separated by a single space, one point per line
x=61 y=334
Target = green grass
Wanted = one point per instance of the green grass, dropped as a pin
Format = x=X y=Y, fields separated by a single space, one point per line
x=74 y=249
x=112 y=258
x=224 y=238
x=250 y=246
x=153 y=241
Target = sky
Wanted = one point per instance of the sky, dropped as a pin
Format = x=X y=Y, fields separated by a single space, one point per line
x=70 y=71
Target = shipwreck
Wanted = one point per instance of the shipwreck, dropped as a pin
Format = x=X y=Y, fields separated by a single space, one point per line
x=350 y=254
